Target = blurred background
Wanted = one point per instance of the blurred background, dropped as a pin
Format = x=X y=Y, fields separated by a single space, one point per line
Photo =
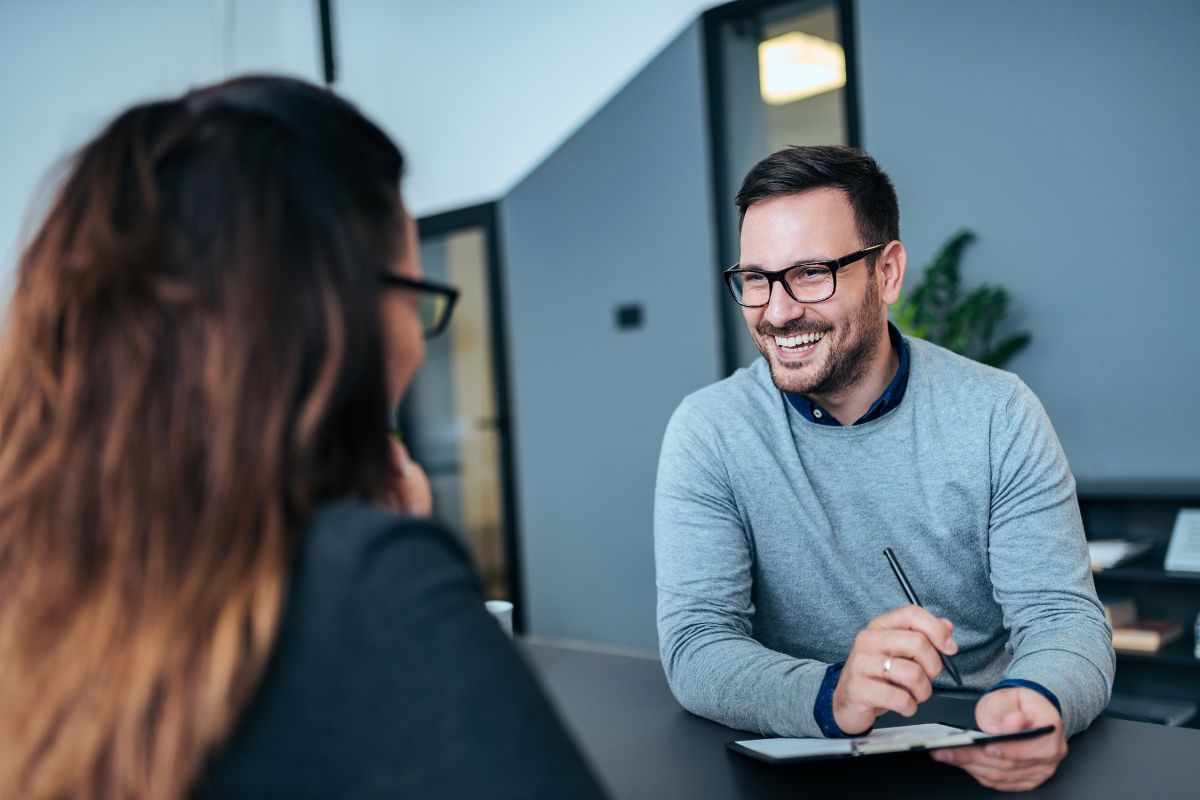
x=573 y=165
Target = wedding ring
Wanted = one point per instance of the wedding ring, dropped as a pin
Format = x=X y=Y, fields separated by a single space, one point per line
x=887 y=666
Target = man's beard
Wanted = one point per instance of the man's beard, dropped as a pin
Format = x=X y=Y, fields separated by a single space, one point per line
x=846 y=360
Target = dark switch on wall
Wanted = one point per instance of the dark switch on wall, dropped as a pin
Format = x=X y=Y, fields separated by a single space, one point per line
x=629 y=316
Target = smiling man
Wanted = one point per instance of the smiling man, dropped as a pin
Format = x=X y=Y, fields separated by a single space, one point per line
x=780 y=486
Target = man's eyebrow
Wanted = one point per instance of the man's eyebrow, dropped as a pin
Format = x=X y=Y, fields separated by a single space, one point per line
x=797 y=263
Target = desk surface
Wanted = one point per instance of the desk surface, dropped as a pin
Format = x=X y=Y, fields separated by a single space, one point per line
x=644 y=745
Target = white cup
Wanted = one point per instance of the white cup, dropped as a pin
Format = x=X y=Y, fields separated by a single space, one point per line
x=502 y=610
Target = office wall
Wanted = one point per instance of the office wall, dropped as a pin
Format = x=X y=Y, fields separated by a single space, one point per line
x=619 y=214
x=69 y=66
x=1064 y=134
x=480 y=93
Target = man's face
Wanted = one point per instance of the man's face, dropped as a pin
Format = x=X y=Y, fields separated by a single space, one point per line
x=816 y=225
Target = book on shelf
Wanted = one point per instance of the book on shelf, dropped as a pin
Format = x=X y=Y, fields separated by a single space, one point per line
x=1119 y=611
x=1147 y=635
x=1109 y=553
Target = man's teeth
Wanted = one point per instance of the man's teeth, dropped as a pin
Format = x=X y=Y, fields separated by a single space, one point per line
x=802 y=340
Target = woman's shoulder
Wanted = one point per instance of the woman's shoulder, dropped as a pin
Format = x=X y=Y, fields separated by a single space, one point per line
x=346 y=528
x=347 y=538
x=364 y=574
x=388 y=665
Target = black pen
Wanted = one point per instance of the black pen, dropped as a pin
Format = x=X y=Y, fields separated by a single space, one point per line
x=912 y=598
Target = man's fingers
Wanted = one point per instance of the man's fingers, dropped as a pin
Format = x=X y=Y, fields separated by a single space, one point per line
x=1007 y=780
x=888 y=697
x=981 y=757
x=908 y=644
x=1048 y=747
x=990 y=718
x=909 y=676
x=1006 y=722
x=1017 y=751
x=940 y=632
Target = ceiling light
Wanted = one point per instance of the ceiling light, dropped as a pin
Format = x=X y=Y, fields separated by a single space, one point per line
x=798 y=65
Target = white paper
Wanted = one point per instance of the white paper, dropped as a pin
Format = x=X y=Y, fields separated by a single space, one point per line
x=1108 y=553
x=795 y=748
x=884 y=740
x=887 y=740
x=1184 y=551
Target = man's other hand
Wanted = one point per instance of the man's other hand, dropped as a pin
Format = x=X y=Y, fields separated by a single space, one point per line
x=891 y=667
x=1016 y=766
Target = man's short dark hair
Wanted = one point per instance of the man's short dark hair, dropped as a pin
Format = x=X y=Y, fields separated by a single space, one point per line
x=793 y=170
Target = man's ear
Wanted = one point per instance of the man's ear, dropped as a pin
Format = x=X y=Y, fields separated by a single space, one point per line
x=890 y=267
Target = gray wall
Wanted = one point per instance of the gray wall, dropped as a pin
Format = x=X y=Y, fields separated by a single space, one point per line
x=619 y=214
x=1065 y=135
x=67 y=67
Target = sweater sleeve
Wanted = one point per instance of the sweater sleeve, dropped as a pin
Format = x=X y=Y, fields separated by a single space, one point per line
x=704 y=570
x=1041 y=576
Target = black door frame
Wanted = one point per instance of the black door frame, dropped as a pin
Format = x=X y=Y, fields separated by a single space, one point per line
x=718 y=138
x=486 y=216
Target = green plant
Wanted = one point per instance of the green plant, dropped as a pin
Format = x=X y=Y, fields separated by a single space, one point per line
x=937 y=311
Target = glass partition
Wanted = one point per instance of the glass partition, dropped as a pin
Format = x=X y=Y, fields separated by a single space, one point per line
x=453 y=417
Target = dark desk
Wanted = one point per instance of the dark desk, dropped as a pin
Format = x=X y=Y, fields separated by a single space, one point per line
x=644 y=745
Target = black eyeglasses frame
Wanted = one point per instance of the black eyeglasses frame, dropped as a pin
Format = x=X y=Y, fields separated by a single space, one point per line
x=776 y=276
x=427 y=287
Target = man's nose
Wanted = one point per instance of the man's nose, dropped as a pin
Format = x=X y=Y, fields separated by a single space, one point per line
x=781 y=308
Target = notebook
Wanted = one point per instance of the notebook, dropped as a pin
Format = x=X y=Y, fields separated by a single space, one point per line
x=928 y=736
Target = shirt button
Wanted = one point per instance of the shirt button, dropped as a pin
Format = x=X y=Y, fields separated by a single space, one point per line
x=817 y=413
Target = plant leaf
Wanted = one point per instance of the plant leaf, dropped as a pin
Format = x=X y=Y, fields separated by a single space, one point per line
x=936 y=310
x=1007 y=349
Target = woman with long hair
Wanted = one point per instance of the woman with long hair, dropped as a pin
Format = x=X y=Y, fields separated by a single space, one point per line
x=201 y=590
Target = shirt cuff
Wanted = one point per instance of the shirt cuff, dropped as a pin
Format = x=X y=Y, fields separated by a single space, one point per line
x=1020 y=683
x=823 y=708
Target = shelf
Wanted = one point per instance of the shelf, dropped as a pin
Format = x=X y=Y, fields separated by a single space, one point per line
x=1149 y=510
x=1168 y=491
x=1178 y=653
x=1136 y=574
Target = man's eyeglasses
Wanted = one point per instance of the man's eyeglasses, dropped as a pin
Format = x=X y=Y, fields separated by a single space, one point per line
x=810 y=282
x=437 y=301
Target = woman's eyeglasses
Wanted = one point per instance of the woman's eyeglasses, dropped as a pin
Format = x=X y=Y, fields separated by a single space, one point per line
x=437 y=301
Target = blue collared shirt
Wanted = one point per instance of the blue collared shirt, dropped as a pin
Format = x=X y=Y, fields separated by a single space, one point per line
x=891 y=397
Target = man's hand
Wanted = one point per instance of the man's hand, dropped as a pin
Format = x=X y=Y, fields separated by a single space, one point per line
x=1012 y=766
x=410 y=494
x=891 y=667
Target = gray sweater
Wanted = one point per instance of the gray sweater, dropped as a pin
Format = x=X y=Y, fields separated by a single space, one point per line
x=769 y=533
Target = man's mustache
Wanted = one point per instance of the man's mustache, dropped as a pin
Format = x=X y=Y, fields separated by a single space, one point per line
x=793 y=328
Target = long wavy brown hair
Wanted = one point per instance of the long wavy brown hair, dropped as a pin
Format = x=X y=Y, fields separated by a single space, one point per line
x=192 y=361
